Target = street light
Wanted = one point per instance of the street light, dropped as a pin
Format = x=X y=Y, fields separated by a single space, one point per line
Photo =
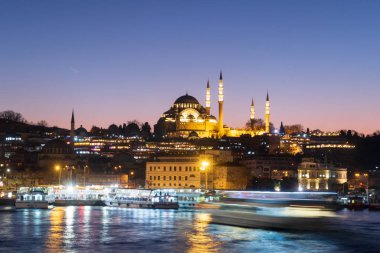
x=58 y=168
x=205 y=164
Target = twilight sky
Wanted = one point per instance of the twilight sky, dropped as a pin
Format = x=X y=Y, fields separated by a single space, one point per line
x=115 y=61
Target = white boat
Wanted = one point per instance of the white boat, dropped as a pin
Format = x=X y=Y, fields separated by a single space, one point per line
x=140 y=198
x=188 y=198
x=35 y=198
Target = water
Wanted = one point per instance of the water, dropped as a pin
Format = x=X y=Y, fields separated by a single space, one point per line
x=95 y=229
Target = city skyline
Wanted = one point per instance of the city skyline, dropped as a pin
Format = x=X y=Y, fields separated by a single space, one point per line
x=130 y=61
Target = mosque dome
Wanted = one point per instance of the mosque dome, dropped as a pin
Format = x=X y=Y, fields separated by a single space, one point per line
x=186 y=99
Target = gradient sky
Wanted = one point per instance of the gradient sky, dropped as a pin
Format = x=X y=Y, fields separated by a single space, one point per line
x=115 y=61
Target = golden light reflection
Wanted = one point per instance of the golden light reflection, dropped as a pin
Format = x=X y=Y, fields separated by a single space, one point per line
x=54 y=240
x=199 y=239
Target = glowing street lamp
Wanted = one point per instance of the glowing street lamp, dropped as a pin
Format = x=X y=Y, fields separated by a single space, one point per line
x=58 y=168
x=204 y=166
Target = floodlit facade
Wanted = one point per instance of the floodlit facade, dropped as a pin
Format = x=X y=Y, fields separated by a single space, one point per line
x=212 y=170
x=187 y=118
x=314 y=176
x=173 y=172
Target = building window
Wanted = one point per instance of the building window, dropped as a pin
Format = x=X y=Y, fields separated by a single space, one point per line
x=154 y=178
x=170 y=177
x=170 y=168
x=175 y=168
x=150 y=168
x=186 y=168
x=158 y=177
x=175 y=178
x=150 y=177
x=186 y=178
x=158 y=184
x=179 y=168
x=164 y=168
x=164 y=177
x=179 y=177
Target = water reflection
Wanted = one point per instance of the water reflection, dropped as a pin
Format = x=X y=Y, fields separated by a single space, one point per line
x=54 y=238
x=97 y=229
x=200 y=240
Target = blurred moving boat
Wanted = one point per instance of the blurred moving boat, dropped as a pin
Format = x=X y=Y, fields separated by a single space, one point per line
x=35 y=197
x=306 y=211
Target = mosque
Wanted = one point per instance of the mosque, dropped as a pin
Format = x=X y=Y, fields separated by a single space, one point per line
x=187 y=118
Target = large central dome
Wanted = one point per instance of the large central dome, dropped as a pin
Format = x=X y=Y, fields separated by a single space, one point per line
x=186 y=99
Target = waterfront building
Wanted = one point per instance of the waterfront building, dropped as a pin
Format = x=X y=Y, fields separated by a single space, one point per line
x=173 y=172
x=213 y=169
x=316 y=176
x=271 y=167
x=56 y=152
x=101 y=179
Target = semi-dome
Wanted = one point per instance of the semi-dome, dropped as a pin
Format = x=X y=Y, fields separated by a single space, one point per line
x=186 y=99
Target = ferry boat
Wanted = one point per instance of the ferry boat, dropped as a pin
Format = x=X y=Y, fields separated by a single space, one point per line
x=277 y=210
x=189 y=198
x=142 y=198
x=36 y=198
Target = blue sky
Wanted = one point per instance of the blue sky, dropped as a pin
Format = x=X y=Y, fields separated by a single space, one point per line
x=114 y=61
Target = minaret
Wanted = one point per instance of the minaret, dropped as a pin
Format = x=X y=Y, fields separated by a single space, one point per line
x=267 y=114
x=252 y=117
x=72 y=129
x=220 y=101
x=208 y=99
x=282 y=129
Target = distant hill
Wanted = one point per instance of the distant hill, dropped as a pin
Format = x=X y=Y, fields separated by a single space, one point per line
x=12 y=127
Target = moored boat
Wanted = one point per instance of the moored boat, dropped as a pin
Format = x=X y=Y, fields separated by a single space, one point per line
x=35 y=198
x=142 y=198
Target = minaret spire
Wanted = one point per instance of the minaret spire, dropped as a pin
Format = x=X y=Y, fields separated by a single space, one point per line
x=252 y=116
x=72 y=128
x=208 y=98
x=267 y=114
x=282 y=129
x=220 y=101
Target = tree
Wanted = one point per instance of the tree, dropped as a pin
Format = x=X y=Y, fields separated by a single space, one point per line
x=132 y=129
x=12 y=116
x=42 y=123
x=293 y=129
x=113 y=130
x=259 y=125
x=146 y=130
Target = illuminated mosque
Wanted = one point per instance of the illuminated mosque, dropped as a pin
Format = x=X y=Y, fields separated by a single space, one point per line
x=187 y=118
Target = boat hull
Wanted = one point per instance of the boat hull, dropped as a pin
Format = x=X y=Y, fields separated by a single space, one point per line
x=33 y=205
x=143 y=205
x=252 y=220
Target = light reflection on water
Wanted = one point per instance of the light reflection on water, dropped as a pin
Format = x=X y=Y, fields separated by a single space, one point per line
x=92 y=229
x=200 y=240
